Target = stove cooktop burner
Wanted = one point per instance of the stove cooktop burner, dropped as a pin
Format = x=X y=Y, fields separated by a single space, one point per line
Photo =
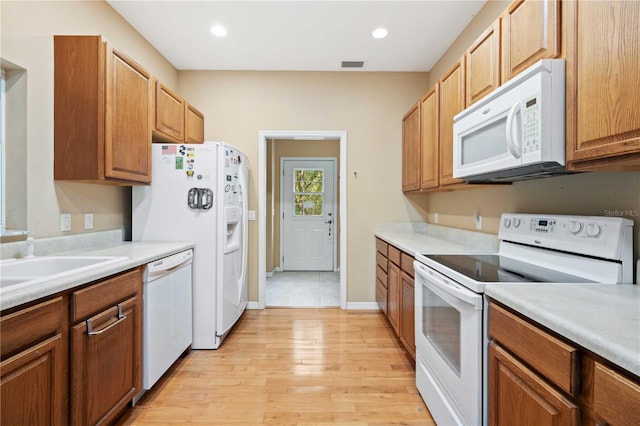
x=493 y=268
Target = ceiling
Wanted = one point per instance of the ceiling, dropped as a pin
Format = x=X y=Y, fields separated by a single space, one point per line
x=299 y=35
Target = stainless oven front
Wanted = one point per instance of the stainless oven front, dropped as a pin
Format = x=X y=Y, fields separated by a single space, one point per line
x=449 y=339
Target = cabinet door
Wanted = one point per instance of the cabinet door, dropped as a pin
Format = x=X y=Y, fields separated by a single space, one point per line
x=530 y=32
x=429 y=139
x=452 y=101
x=128 y=119
x=381 y=296
x=106 y=363
x=393 y=294
x=407 y=319
x=194 y=125
x=603 y=71
x=517 y=394
x=411 y=149
x=34 y=356
x=34 y=384
x=616 y=399
x=168 y=115
x=482 y=62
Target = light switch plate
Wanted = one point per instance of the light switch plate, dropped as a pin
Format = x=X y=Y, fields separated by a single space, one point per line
x=88 y=221
x=251 y=215
x=65 y=222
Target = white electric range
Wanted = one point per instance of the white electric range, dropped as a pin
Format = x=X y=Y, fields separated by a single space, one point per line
x=450 y=315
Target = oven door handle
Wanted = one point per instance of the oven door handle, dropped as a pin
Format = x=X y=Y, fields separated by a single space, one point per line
x=438 y=280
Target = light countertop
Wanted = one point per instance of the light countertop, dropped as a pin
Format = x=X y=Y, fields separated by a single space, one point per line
x=602 y=318
x=134 y=253
x=417 y=238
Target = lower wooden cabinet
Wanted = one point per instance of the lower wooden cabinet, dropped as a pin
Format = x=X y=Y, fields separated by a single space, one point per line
x=517 y=394
x=106 y=348
x=393 y=297
x=34 y=383
x=407 y=320
x=103 y=378
x=75 y=358
x=539 y=378
x=395 y=292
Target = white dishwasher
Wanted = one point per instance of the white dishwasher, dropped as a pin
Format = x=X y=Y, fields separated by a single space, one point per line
x=167 y=321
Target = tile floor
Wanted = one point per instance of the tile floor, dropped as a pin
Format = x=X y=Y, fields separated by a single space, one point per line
x=295 y=289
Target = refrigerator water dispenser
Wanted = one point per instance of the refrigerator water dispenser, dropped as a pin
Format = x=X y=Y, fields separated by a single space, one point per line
x=232 y=217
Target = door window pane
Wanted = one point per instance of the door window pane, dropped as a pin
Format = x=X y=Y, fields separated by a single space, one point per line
x=308 y=192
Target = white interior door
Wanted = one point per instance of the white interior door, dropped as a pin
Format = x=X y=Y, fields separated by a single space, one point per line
x=308 y=219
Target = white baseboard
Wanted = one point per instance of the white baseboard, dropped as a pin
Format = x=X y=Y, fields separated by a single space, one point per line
x=253 y=305
x=269 y=274
x=363 y=306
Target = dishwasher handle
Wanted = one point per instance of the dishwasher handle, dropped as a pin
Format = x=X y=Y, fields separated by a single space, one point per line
x=166 y=265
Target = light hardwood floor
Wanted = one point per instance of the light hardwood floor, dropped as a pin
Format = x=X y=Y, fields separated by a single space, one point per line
x=291 y=367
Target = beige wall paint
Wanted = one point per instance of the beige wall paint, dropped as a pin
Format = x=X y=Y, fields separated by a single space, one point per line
x=583 y=194
x=26 y=38
x=298 y=148
x=368 y=106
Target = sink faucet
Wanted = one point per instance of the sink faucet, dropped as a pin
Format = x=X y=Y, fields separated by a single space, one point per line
x=30 y=241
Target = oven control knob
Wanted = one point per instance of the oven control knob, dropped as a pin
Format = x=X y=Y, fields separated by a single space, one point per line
x=593 y=230
x=516 y=222
x=506 y=222
x=575 y=227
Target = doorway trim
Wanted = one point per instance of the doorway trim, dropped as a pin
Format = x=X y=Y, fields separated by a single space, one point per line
x=335 y=187
x=263 y=137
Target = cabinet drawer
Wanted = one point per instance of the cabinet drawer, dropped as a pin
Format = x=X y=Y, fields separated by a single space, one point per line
x=407 y=264
x=381 y=261
x=381 y=246
x=29 y=325
x=394 y=255
x=616 y=399
x=93 y=299
x=551 y=357
x=381 y=275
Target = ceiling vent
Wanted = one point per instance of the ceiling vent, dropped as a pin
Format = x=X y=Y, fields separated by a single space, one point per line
x=352 y=64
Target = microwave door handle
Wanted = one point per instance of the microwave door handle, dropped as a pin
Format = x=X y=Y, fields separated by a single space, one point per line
x=512 y=135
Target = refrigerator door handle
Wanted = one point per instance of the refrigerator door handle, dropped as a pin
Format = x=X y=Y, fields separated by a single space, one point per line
x=206 y=198
x=193 y=198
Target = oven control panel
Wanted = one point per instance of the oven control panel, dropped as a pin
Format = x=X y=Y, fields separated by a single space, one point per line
x=600 y=236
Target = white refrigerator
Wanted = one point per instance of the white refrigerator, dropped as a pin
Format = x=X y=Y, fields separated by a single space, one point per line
x=199 y=193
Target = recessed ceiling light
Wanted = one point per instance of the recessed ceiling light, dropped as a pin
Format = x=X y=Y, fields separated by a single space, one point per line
x=380 y=33
x=218 y=31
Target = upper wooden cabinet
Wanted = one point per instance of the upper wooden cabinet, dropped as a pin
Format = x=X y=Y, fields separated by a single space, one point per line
x=602 y=45
x=430 y=139
x=169 y=115
x=530 y=32
x=194 y=125
x=175 y=120
x=411 y=149
x=482 y=62
x=452 y=101
x=102 y=113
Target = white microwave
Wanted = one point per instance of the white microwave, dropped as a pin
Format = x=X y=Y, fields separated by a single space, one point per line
x=517 y=131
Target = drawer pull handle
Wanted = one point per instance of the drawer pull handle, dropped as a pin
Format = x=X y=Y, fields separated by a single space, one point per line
x=121 y=317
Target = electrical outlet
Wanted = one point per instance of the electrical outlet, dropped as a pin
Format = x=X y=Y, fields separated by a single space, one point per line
x=88 y=221
x=435 y=218
x=478 y=219
x=65 y=222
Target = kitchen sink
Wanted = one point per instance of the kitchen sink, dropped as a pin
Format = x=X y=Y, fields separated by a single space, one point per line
x=18 y=271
